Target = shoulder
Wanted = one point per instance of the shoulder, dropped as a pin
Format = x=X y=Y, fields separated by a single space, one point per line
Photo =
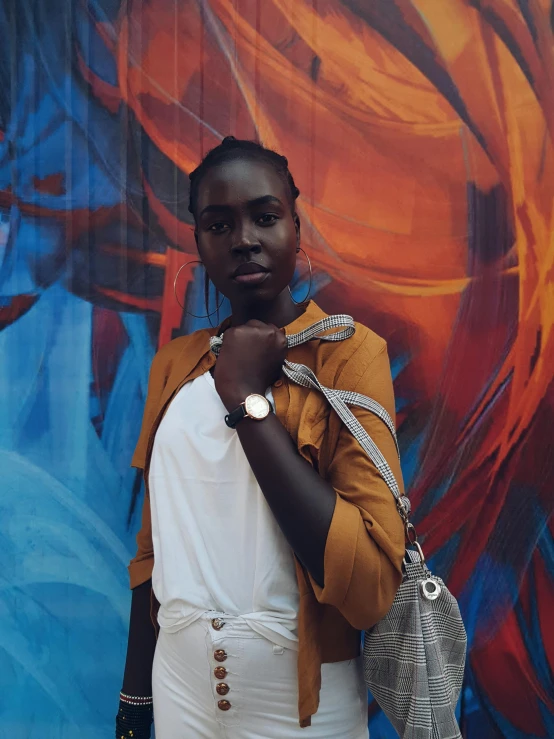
x=364 y=345
x=349 y=360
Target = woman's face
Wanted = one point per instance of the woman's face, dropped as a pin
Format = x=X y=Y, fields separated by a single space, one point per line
x=246 y=232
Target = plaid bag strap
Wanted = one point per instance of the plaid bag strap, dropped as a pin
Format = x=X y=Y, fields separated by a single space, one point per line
x=345 y=325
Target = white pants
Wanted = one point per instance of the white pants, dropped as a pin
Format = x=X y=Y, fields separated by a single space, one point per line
x=252 y=693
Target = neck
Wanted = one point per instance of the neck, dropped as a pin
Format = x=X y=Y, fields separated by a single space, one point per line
x=280 y=312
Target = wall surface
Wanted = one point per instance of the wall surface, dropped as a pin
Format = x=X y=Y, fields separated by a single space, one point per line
x=420 y=135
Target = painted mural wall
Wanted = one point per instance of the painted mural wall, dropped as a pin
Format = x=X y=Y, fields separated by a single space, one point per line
x=420 y=133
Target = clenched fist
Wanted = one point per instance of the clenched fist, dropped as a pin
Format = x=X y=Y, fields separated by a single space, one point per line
x=250 y=360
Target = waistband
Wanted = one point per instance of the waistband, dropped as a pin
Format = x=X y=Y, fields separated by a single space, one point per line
x=276 y=628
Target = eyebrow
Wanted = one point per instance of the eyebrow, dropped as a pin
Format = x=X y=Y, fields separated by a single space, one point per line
x=251 y=203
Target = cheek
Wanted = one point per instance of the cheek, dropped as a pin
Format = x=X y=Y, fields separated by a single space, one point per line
x=290 y=256
x=286 y=269
x=285 y=248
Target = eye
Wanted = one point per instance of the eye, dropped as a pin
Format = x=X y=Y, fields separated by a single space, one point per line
x=218 y=227
x=268 y=219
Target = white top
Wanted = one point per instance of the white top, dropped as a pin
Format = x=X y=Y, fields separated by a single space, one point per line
x=217 y=546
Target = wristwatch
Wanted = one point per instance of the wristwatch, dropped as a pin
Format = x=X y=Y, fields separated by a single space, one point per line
x=255 y=406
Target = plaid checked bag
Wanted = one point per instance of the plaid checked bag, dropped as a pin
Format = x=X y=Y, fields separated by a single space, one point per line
x=414 y=658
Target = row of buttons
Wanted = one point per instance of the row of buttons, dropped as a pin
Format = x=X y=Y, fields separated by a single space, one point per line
x=220 y=655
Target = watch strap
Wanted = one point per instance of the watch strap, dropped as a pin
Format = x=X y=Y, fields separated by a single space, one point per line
x=236 y=415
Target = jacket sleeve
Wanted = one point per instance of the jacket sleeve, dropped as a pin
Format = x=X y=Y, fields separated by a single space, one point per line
x=365 y=544
x=140 y=567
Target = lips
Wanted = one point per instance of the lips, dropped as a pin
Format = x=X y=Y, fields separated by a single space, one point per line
x=248 y=268
x=250 y=274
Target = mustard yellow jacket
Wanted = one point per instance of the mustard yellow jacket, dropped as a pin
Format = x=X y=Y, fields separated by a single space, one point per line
x=365 y=544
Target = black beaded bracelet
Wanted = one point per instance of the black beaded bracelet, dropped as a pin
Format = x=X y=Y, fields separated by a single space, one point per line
x=133 y=721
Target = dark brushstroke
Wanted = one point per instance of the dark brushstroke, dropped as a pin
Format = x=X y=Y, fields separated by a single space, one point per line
x=500 y=28
x=169 y=184
x=536 y=353
x=528 y=16
x=385 y=17
x=137 y=485
x=315 y=67
x=490 y=233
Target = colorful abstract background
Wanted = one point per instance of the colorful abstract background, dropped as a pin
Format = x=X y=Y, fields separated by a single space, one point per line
x=421 y=135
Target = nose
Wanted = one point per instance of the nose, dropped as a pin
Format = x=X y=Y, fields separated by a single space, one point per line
x=246 y=242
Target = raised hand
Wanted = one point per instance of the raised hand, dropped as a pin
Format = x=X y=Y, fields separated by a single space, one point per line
x=250 y=360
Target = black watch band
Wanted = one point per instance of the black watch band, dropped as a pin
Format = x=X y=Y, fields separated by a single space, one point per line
x=255 y=406
x=232 y=418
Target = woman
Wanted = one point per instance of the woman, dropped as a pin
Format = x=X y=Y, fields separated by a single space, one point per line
x=268 y=539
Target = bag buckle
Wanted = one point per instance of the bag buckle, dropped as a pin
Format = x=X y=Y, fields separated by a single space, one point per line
x=410 y=530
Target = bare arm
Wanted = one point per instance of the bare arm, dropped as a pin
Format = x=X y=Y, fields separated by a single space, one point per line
x=137 y=679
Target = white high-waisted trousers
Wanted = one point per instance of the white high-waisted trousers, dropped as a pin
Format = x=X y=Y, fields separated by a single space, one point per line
x=252 y=693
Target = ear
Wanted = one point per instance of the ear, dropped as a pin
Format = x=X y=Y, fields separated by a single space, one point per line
x=297 y=227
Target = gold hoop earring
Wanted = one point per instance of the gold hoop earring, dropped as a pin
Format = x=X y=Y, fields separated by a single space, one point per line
x=186 y=264
x=300 y=302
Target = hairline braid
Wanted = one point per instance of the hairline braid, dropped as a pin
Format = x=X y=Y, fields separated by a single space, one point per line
x=232 y=149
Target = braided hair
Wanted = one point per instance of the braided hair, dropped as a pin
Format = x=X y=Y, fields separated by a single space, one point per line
x=232 y=149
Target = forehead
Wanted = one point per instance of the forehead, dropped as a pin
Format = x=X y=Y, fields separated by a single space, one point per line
x=239 y=181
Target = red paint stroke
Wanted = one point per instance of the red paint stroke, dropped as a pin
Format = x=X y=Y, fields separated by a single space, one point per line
x=109 y=95
x=517 y=700
x=52 y=184
x=18 y=306
x=147 y=304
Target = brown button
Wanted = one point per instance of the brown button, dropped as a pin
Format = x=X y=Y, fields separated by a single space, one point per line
x=223 y=705
x=222 y=688
x=217 y=624
x=220 y=673
x=220 y=655
x=278 y=383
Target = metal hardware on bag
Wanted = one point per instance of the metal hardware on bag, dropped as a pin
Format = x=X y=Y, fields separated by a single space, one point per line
x=430 y=589
x=419 y=551
x=402 y=509
x=411 y=534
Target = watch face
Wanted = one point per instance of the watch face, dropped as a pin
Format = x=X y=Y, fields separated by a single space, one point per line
x=257 y=406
